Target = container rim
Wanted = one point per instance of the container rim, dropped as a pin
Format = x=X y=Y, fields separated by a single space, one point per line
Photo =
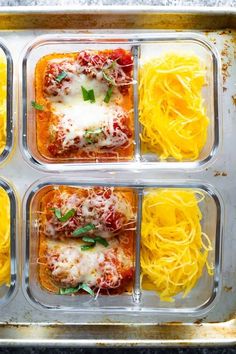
x=80 y=9
x=14 y=282
x=9 y=97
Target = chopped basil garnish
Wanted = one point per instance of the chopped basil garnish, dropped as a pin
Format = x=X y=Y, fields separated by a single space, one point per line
x=61 y=76
x=57 y=212
x=82 y=230
x=105 y=72
x=91 y=96
x=108 y=95
x=87 y=247
x=88 y=95
x=96 y=131
x=106 y=77
x=101 y=240
x=83 y=286
x=88 y=239
x=91 y=132
x=86 y=288
x=88 y=140
x=37 y=106
x=93 y=242
x=85 y=93
x=65 y=291
x=66 y=216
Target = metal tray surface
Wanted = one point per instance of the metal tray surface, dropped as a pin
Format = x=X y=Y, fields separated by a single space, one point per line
x=20 y=323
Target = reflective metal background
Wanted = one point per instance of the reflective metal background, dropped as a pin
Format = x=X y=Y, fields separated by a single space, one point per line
x=22 y=324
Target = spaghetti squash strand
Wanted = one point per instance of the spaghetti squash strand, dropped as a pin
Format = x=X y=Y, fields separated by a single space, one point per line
x=171 y=110
x=174 y=250
x=4 y=238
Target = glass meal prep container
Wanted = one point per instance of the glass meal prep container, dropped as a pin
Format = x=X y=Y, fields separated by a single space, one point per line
x=6 y=120
x=8 y=243
x=58 y=84
x=50 y=273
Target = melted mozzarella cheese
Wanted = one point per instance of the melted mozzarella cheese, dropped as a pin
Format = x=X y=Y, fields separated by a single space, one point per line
x=74 y=266
x=76 y=115
x=75 y=92
x=83 y=115
x=77 y=118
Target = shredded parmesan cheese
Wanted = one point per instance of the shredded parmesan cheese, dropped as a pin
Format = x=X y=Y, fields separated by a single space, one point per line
x=174 y=250
x=171 y=107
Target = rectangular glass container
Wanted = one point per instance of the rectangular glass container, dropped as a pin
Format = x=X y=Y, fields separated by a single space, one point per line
x=7 y=102
x=8 y=292
x=142 y=46
x=200 y=300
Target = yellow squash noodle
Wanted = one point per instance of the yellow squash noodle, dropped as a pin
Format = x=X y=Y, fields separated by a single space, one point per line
x=172 y=114
x=174 y=250
x=3 y=86
x=4 y=238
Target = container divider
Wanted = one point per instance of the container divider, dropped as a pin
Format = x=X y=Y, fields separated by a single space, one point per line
x=136 y=53
x=137 y=290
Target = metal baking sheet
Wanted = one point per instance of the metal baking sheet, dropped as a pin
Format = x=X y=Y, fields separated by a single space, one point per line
x=20 y=323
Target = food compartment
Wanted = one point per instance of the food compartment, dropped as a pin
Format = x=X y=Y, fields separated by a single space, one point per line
x=78 y=101
x=178 y=100
x=148 y=100
x=80 y=246
x=180 y=256
x=6 y=120
x=8 y=236
x=103 y=225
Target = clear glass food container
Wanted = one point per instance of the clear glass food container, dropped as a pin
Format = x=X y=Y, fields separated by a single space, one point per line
x=200 y=300
x=7 y=292
x=142 y=46
x=6 y=103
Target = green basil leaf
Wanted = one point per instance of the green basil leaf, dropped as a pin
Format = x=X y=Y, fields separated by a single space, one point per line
x=106 y=77
x=65 y=291
x=89 y=132
x=96 y=131
x=108 y=95
x=57 y=212
x=83 y=286
x=82 y=230
x=86 y=288
x=91 y=96
x=87 y=247
x=88 y=95
x=101 y=240
x=85 y=94
x=37 y=106
x=61 y=76
x=88 y=140
x=88 y=239
x=113 y=64
x=67 y=215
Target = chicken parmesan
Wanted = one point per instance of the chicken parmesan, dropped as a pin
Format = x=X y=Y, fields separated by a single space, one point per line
x=84 y=108
x=86 y=240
